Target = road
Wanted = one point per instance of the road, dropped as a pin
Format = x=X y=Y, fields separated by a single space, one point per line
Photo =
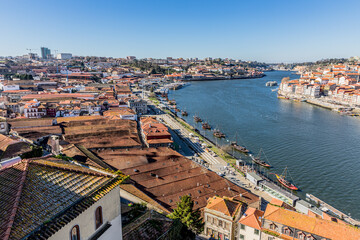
x=185 y=135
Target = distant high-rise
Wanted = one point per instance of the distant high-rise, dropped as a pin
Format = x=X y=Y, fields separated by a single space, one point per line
x=45 y=53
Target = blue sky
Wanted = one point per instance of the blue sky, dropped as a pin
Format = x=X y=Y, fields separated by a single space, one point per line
x=262 y=30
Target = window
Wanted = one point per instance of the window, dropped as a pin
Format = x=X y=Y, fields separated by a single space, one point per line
x=273 y=226
x=75 y=233
x=98 y=217
x=301 y=236
x=220 y=223
x=242 y=226
x=256 y=231
x=242 y=237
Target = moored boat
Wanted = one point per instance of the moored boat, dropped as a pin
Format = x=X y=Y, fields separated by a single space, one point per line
x=197 y=119
x=184 y=113
x=239 y=148
x=283 y=97
x=258 y=160
x=218 y=134
x=206 y=126
x=284 y=182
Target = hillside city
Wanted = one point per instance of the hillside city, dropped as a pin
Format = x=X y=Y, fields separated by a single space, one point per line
x=93 y=148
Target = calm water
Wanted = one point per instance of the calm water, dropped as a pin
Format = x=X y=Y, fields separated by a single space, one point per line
x=320 y=147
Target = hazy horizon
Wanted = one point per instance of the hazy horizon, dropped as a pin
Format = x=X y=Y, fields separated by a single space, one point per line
x=264 y=31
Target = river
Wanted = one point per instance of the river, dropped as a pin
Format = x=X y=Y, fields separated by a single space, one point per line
x=320 y=148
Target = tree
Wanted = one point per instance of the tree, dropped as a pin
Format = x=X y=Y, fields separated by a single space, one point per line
x=187 y=215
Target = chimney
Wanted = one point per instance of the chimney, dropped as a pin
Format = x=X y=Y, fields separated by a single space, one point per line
x=55 y=144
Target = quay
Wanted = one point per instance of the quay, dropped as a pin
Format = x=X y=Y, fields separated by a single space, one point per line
x=323 y=104
x=340 y=214
x=204 y=152
x=224 y=78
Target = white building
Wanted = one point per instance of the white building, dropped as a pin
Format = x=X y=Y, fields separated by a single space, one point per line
x=64 y=56
x=33 y=109
x=59 y=200
x=250 y=225
x=9 y=87
x=221 y=216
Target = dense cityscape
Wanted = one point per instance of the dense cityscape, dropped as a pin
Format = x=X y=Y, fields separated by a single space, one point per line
x=77 y=131
x=179 y=120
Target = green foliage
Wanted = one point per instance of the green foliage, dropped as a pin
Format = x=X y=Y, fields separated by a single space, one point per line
x=36 y=151
x=64 y=157
x=136 y=211
x=178 y=231
x=271 y=233
x=23 y=76
x=187 y=215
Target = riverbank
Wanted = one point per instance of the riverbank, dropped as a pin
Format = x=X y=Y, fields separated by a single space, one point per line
x=218 y=78
x=267 y=189
x=342 y=109
x=287 y=131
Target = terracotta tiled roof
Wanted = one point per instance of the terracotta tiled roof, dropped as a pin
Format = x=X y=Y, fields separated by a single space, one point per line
x=321 y=227
x=102 y=133
x=24 y=123
x=252 y=218
x=223 y=205
x=34 y=133
x=165 y=175
x=37 y=194
x=10 y=147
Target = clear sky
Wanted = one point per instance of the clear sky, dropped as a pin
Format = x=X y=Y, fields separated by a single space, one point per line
x=262 y=30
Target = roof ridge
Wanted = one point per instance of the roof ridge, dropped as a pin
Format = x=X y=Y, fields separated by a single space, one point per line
x=16 y=201
x=253 y=215
x=91 y=171
x=92 y=156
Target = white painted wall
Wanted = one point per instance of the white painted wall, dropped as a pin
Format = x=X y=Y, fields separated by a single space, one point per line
x=249 y=233
x=110 y=204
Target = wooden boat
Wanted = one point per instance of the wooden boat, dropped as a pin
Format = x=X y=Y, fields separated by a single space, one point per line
x=258 y=161
x=172 y=102
x=284 y=182
x=197 y=119
x=282 y=97
x=206 y=126
x=239 y=148
x=218 y=134
x=184 y=113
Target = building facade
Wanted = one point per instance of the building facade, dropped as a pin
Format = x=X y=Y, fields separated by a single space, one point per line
x=138 y=105
x=45 y=53
x=221 y=216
